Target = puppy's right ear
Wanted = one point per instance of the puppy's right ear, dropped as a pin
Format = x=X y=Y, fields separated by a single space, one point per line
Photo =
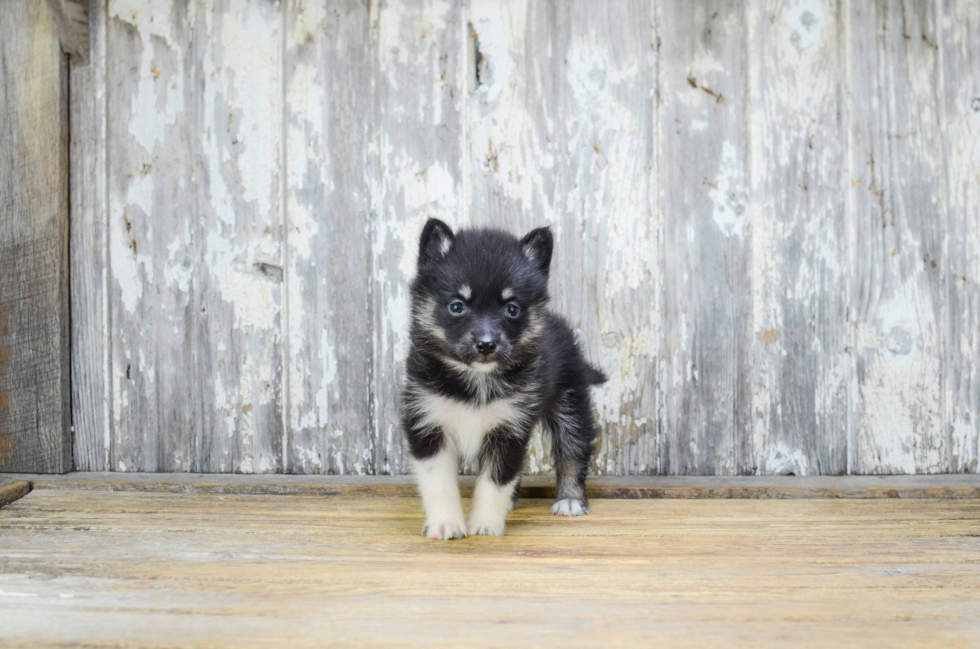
x=537 y=246
x=436 y=241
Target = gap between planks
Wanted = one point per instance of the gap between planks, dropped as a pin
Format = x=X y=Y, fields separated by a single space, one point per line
x=629 y=487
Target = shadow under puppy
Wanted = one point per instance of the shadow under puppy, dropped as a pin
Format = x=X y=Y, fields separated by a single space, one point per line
x=487 y=362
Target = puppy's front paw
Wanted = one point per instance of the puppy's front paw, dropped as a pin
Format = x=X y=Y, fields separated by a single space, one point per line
x=444 y=530
x=570 y=507
x=485 y=528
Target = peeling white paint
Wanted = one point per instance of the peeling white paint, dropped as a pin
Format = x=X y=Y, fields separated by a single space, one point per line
x=158 y=102
x=726 y=192
x=254 y=89
x=805 y=22
x=895 y=403
x=566 y=126
x=783 y=460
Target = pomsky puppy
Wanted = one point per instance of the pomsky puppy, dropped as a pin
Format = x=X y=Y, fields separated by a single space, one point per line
x=488 y=361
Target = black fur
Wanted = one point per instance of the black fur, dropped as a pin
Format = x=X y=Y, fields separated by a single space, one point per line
x=538 y=359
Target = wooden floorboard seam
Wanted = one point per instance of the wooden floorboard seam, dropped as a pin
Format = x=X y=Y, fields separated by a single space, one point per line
x=618 y=487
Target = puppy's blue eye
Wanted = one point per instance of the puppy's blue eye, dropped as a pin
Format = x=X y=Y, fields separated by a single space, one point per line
x=513 y=310
x=456 y=307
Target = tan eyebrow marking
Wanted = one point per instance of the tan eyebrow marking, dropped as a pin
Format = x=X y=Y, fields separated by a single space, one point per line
x=507 y=294
x=465 y=291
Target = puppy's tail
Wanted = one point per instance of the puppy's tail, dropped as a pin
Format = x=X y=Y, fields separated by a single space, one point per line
x=594 y=376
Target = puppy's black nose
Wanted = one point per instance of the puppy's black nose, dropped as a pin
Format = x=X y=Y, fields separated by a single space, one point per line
x=486 y=346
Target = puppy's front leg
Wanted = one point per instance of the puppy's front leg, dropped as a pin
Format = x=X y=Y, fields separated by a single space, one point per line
x=436 y=476
x=501 y=462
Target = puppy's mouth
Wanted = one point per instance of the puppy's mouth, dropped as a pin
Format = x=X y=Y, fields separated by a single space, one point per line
x=466 y=356
x=484 y=364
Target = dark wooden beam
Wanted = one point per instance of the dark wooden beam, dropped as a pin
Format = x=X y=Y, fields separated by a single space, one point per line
x=71 y=19
x=941 y=486
x=35 y=408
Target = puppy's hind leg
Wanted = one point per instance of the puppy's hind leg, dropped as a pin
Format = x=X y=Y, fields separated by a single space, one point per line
x=572 y=435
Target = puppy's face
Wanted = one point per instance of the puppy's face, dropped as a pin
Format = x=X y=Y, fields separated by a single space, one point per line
x=479 y=295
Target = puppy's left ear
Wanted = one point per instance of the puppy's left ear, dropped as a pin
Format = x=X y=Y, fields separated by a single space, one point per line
x=537 y=246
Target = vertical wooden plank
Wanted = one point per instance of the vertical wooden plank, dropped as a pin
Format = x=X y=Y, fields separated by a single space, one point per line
x=560 y=132
x=607 y=263
x=959 y=42
x=416 y=174
x=512 y=144
x=897 y=209
x=328 y=192
x=514 y=72
x=707 y=238
x=195 y=235
x=90 y=333
x=510 y=150
x=801 y=336
x=239 y=110
x=154 y=381
x=35 y=405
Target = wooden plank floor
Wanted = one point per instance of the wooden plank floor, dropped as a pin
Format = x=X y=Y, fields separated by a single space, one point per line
x=104 y=568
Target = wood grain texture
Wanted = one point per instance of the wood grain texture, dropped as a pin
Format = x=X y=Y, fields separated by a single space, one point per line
x=798 y=147
x=765 y=219
x=35 y=401
x=611 y=226
x=13 y=490
x=90 y=333
x=514 y=72
x=959 y=40
x=416 y=172
x=151 y=180
x=560 y=133
x=71 y=22
x=195 y=236
x=110 y=569
x=707 y=308
x=328 y=203
x=897 y=220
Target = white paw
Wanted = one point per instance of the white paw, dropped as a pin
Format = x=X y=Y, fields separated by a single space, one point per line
x=485 y=528
x=569 y=507
x=444 y=530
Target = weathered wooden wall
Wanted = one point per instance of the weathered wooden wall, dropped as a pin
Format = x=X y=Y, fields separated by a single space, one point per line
x=35 y=405
x=767 y=218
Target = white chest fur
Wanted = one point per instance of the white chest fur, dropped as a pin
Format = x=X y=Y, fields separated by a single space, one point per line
x=465 y=424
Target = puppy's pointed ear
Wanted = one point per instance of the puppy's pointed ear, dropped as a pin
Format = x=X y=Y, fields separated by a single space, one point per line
x=437 y=239
x=537 y=246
